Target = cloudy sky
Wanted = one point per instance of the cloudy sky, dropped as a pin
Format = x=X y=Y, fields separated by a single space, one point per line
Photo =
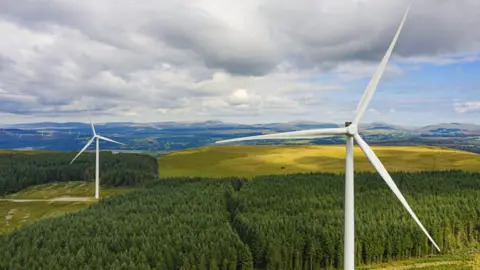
x=237 y=61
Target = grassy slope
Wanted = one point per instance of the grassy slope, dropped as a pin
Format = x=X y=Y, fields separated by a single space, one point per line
x=31 y=152
x=441 y=262
x=15 y=214
x=248 y=161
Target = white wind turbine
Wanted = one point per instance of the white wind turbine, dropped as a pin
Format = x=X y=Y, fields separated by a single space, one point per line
x=351 y=131
x=97 y=153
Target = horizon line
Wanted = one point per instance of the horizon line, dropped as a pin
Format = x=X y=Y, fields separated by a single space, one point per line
x=238 y=123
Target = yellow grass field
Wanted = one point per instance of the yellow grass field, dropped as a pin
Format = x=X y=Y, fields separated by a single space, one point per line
x=249 y=161
x=28 y=152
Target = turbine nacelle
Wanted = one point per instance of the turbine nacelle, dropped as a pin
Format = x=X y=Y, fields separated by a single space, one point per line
x=95 y=136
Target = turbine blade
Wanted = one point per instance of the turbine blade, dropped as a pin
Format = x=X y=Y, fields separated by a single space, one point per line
x=301 y=134
x=372 y=85
x=306 y=137
x=83 y=149
x=388 y=179
x=109 y=140
x=91 y=123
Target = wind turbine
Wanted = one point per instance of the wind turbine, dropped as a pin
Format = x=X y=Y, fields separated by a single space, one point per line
x=351 y=131
x=97 y=153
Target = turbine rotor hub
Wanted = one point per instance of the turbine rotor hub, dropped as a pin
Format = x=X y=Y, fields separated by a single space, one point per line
x=352 y=129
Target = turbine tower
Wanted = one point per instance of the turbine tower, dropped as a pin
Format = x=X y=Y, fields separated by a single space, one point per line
x=97 y=154
x=351 y=131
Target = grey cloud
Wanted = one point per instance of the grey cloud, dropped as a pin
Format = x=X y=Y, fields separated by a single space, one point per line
x=36 y=13
x=176 y=25
x=110 y=54
x=215 y=43
x=325 y=39
x=300 y=30
x=441 y=27
x=5 y=63
x=45 y=15
x=16 y=104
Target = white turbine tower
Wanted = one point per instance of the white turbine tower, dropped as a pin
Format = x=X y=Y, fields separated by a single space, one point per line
x=97 y=153
x=351 y=131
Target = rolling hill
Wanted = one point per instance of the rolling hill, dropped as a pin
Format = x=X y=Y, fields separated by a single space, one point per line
x=191 y=221
x=249 y=161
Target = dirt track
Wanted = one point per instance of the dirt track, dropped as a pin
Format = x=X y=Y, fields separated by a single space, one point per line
x=60 y=199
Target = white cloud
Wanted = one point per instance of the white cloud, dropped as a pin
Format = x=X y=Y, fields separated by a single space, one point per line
x=129 y=113
x=465 y=107
x=357 y=70
x=468 y=57
x=239 y=96
x=259 y=59
x=374 y=111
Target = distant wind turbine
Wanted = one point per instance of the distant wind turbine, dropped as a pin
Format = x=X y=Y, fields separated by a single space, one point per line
x=97 y=153
x=351 y=131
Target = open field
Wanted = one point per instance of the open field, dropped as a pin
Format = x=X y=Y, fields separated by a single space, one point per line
x=249 y=161
x=63 y=189
x=14 y=214
x=31 y=152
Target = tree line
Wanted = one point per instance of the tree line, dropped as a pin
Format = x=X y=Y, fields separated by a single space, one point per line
x=19 y=170
x=272 y=222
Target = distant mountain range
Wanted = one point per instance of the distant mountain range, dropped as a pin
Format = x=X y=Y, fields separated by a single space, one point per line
x=463 y=128
x=171 y=136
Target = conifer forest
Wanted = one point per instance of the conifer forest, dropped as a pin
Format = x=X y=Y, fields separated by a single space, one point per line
x=20 y=170
x=271 y=222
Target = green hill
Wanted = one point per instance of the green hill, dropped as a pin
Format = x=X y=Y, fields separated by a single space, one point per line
x=249 y=161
